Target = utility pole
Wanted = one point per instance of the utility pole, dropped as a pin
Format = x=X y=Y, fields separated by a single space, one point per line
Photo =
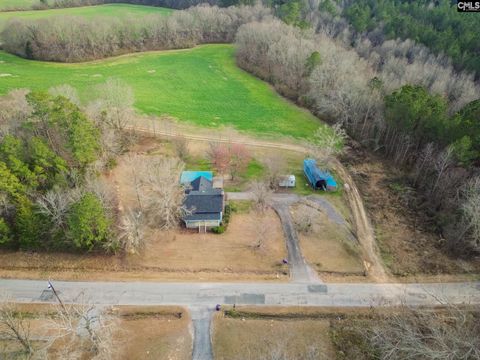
x=50 y=286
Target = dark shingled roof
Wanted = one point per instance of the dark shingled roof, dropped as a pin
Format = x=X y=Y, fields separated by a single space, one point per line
x=209 y=216
x=210 y=201
x=203 y=201
x=200 y=184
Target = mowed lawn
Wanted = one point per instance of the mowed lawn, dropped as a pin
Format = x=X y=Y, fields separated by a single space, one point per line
x=201 y=85
x=108 y=10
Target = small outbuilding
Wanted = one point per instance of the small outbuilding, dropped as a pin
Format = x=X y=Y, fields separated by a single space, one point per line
x=318 y=179
x=287 y=181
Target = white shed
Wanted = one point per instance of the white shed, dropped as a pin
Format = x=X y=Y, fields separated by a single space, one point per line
x=287 y=181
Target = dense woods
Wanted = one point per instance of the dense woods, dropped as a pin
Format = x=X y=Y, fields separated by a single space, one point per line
x=437 y=25
x=50 y=198
x=71 y=39
x=427 y=123
x=410 y=333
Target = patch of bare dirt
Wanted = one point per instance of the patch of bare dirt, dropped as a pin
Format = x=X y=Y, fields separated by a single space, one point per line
x=407 y=245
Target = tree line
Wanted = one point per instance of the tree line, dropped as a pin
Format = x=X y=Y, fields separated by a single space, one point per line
x=173 y=4
x=434 y=135
x=72 y=39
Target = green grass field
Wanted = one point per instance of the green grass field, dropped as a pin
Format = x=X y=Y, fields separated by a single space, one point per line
x=201 y=85
x=108 y=10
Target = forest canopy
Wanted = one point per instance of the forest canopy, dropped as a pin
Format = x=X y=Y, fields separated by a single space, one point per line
x=437 y=25
x=46 y=202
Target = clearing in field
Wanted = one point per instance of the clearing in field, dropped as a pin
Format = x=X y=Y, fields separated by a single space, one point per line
x=202 y=86
x=109 y=10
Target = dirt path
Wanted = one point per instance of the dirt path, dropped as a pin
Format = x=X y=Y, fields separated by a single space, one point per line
x=362 y=224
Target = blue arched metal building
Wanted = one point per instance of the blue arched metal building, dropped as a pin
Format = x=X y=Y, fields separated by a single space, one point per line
x=317 y=178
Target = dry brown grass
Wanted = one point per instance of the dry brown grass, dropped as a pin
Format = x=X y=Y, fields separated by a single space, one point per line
x=153 y=333
x=141 y=332
x=230 y=252
x=328 y=247
x=251 y=339
x=178 y=255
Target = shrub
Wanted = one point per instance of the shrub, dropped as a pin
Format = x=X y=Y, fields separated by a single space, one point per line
x=226 y=219
x=219 y=229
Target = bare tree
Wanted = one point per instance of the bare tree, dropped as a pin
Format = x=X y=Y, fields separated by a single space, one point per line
x=14 y=110
x=327 y=143
x=263 y=230
x=76 y=38
x=180 y=143
x=232 y=158
x=262 y=195
x=412 y=333
x=14 y=325
x=55 y=204
x=132 y=231
x=219 y=156
x=82 y=330
x=423 y=163
x=239 y=159
x=66 y=91
x=115 y=101
x=304 y=219
x=275 y=168
x=471 y=214
x=102 y=191
x=441 y=163
x=161 y=194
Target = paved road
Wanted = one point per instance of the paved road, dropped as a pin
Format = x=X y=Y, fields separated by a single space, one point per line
x=285 y=294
